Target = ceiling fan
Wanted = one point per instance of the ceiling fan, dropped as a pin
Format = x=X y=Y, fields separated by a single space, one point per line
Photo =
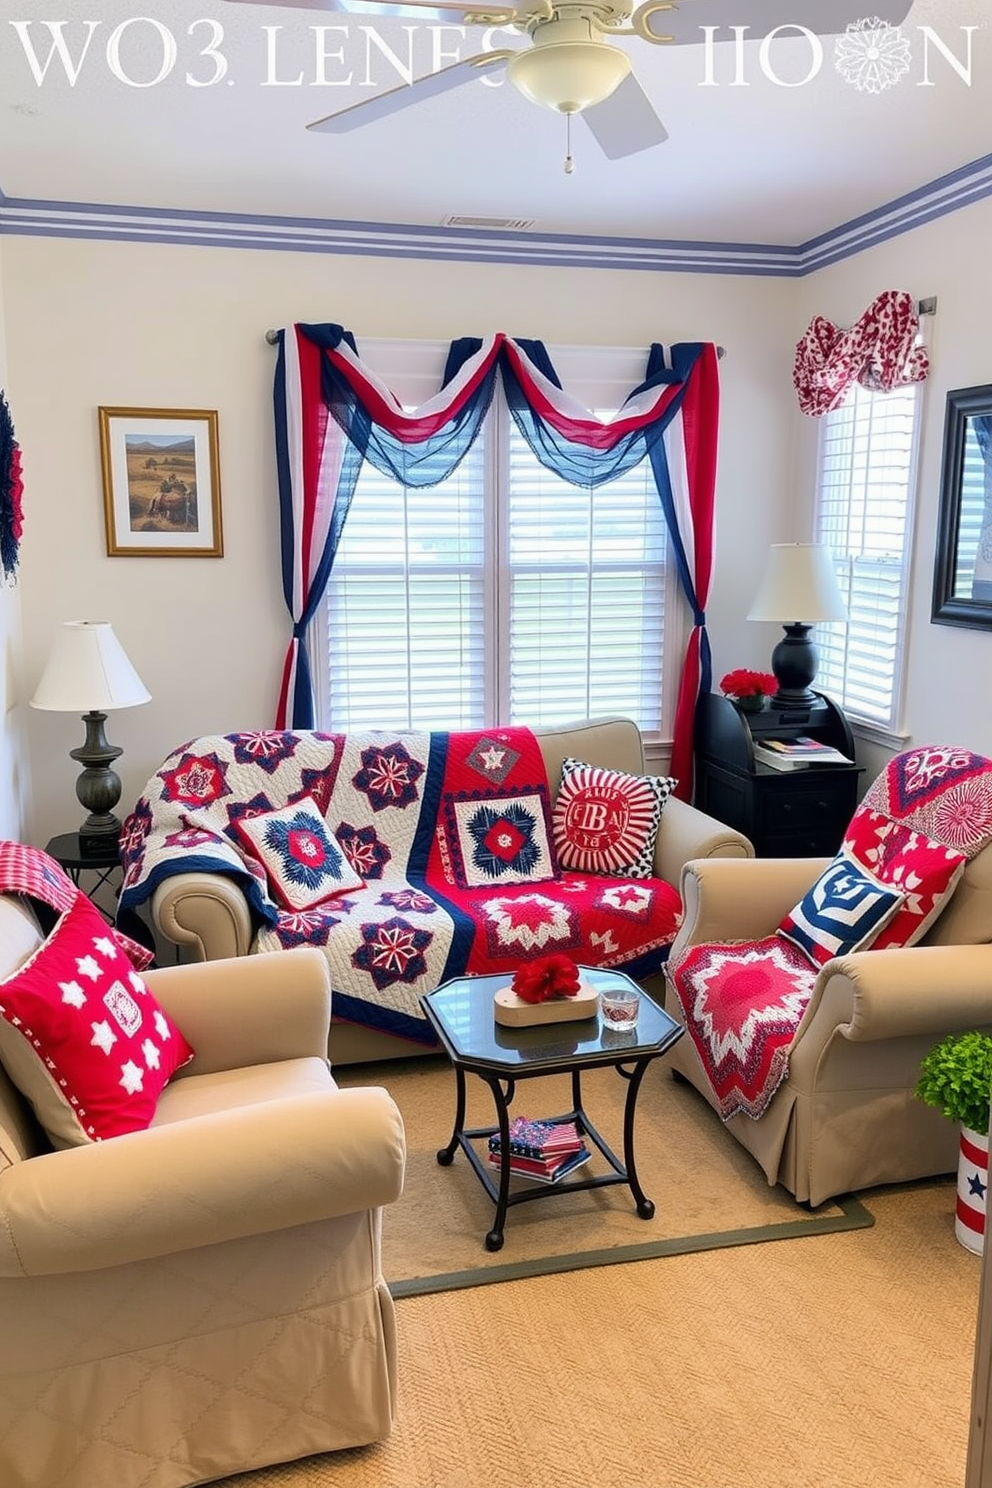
x=570 y=65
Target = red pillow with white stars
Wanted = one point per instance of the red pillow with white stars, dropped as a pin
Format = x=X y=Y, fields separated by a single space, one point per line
x=82 y=1037
x=924 y=870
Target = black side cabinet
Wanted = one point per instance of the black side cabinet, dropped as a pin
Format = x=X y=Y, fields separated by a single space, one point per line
x=785 y=813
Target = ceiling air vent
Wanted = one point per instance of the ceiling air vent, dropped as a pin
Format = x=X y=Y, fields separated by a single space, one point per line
x=500 y=224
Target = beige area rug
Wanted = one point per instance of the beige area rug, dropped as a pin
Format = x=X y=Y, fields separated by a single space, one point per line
x=708 y=1193
x=840 y=1362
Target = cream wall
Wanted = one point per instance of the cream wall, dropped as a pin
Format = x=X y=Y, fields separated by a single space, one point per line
x=154 y=326
x=13 y=776
x=946 y=696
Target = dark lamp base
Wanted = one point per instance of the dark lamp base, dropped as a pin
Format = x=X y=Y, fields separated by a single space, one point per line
x=98 y=788
x=794 y=662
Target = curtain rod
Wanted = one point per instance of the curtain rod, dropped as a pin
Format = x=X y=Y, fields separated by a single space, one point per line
x=273 y=336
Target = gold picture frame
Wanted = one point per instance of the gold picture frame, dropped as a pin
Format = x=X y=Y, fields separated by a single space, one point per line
x=161 y=482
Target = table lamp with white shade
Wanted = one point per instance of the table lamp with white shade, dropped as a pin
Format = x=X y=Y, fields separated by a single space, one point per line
x=88 y=672
x=799 y=589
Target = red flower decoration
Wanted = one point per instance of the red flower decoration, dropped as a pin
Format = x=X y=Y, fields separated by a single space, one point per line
x=547 y=977
x=745 y=683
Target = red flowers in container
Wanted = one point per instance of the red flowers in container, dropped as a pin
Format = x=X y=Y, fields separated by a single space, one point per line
x=745 y=683
x=547 y=977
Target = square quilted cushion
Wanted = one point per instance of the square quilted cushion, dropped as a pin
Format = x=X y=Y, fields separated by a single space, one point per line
x=300 y=854
x=606 y=821
x=499 y=838
x=926 y=871
x=82 y=1037
x=843 y=911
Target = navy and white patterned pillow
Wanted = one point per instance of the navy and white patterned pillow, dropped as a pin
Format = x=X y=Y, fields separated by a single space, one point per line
x=302 y=858
x=844 y=911
x=499 y=839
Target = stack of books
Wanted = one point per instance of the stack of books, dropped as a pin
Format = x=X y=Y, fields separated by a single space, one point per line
x=797 y=754
x=544 y=1151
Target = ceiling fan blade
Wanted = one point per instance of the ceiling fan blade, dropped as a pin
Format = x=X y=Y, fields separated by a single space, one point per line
x=625 y=123
x=683 y=23
x=381 y=105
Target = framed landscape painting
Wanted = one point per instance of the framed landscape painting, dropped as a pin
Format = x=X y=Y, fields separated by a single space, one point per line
x=161 y=482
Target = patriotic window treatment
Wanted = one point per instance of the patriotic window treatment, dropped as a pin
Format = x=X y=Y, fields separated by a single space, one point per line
x=332 y=413
x=880 y=352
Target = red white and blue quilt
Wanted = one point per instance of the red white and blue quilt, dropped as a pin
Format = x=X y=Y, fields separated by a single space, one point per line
x=450 y=835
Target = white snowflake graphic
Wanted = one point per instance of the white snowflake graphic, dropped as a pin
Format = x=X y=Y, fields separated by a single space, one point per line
x=872 y=55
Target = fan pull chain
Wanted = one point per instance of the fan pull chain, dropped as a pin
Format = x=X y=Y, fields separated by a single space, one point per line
x=569 y=162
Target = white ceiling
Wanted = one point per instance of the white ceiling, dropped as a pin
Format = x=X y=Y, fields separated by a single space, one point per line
x=760 y=163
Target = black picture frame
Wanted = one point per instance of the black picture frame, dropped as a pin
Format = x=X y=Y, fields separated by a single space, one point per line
x=962 y=577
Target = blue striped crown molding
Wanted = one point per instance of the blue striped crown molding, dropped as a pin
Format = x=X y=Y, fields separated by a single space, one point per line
x=87 y=220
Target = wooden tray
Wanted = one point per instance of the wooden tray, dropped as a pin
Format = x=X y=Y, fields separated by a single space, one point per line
x=512 y=1012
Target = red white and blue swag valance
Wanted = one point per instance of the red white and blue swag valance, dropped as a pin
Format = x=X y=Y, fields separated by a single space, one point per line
x=332 y=413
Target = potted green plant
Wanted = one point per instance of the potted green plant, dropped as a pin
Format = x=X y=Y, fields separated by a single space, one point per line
x=956 y=1078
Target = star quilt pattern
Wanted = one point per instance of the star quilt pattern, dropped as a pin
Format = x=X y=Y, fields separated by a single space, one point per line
x=448 y=835
x=742 y=1004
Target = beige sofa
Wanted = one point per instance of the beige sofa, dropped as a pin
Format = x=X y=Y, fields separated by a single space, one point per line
x=846 y=1118
x=208 y=917
x=187 y=1302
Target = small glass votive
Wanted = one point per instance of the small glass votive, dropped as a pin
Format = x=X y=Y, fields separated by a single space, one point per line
x=619 y=1007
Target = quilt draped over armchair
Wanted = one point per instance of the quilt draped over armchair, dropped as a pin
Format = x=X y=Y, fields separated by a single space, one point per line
x=332 y=413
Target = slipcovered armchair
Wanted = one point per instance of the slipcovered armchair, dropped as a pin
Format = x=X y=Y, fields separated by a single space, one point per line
x=204 y=1296
x=836 y=1111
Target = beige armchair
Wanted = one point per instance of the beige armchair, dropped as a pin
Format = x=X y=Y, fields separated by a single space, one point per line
x=187 y=1302
x=846 y=1117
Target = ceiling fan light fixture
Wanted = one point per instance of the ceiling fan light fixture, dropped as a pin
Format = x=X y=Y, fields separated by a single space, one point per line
x=568 y=76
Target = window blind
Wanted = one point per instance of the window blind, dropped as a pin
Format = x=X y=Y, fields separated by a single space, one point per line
x=407 y=605
x=503 y=595
x=586 y=594
x=864 y=504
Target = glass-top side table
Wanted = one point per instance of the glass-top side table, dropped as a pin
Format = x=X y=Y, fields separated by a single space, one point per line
x=461 y=1013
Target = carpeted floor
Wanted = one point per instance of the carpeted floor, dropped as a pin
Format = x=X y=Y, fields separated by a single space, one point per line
x=834 y=1361
x=707 y=1191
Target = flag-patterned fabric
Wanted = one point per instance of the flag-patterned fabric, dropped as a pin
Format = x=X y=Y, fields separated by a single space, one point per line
x=332 y=413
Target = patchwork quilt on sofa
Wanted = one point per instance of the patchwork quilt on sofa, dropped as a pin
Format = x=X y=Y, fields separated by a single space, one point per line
x=450 y=834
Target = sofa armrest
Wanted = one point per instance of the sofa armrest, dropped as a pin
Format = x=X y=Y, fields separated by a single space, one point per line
x=248 y=1171
x=742 y=899
x=685 y=833
x=905 y=993
x=248 y=1010
x=206 y=911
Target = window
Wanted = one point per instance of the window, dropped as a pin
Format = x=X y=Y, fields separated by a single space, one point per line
x=503 y=595
x=865 y=487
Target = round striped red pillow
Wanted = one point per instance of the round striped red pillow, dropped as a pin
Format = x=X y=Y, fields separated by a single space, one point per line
x=606 y=821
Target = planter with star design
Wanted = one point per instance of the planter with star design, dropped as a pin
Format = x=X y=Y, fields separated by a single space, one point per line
x=973 y=1183
x=956 y=1078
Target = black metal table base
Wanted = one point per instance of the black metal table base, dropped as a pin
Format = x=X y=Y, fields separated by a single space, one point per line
x=503 y=1092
